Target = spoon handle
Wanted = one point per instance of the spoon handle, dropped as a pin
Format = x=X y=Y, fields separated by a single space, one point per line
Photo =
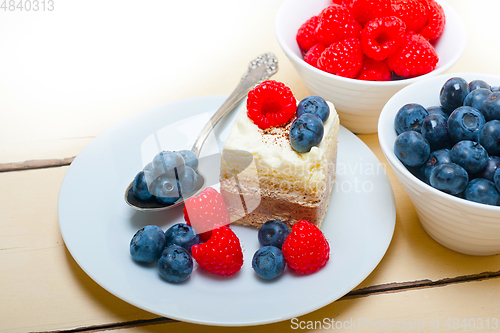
x=259 y=69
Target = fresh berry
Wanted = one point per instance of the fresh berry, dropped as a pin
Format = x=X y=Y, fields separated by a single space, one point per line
x=382 y=36
x=496 y=179
x=188 y=180
x=470 y=155
x=495 y=89
x=410 y=118
x=306 y=249
x=477 y=97
x=271 y=104
x=489 y=170
x=169 y=163
x=412 y=12
x=268 y=262
x=412 y=149
x=453 y=93
x=206 y=211
x=343 y=58
x=140 y=187
x=175 y=264
x=415 y=57
x=437 y=109
x=336 y=24
x=489 y=137
x=167 y=190
x=436 y=20
x=435 y=131
x=491 y=107
x=373 y=70
x=482 y=191
x=344 y=3
x=306 y=35
x=367 y=10
x=273 y=233
x=476 y=84
x=314 y=105
x=465 y=123
x=190 y=159
x=221 y=254
x=437 y=157
x=306 y=132
x=313 y=54
x=183 y=235
x=450 y=178
x=147 y=244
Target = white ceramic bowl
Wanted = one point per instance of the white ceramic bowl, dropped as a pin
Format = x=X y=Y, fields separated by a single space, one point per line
x=458 y=224
x=358 y=102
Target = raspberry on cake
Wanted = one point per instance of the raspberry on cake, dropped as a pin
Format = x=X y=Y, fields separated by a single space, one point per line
x=263 y=178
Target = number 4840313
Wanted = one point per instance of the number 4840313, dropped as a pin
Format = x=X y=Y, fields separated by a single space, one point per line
x=27 y=5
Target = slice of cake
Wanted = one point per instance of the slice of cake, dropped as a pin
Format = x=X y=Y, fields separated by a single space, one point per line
x=262 y=176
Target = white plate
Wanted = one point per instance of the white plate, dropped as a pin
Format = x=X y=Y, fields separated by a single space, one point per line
x=97 y=225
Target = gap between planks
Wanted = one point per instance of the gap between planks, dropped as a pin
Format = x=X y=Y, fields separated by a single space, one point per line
x=35 y=164
x=364 y=292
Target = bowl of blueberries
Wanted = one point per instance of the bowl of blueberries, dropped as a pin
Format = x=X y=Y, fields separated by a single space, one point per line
x=441 y=137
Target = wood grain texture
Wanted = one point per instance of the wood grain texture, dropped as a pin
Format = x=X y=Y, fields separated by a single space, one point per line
x=36 y=164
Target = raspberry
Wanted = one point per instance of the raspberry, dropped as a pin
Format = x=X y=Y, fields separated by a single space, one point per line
x=373 y=70
x=221 y=254
x=306 y=249
x=306 y=35
x=343 y=58
x=412 y=12
x=435 y=20
x=367 y=10
x=271 y=104
x=381 y=37
x=344 y=3
x=336 y=24
x=205 y=212
x=416 y=56
x=313 y=54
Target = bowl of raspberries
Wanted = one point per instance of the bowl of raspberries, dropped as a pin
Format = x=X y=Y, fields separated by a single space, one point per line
x=441 y=137
x=358 y=53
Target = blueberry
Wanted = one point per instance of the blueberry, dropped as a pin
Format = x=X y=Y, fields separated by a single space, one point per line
x=470 y=155
x=190 y=159
x=175 y=264
x=435 y=158
x=410 y=118
x=314 y=105
x=465 y=123
x=435 y=131
x=167 y=190
x=495 y=89
x=489 y=170
x=482 y=191
x=489 y=137
x=306 y=132
x=188 y=180
x=273 y=233
x=450 y=178
x=412 y=149
x=476 y=98
x=496 y=179
x=268 y=262
x=140 y=187
x=477 y=84
x=183 y=235
x=437 y=110
x=168 y=163
x=491 y=106
x=453 y=93
x=147 y=244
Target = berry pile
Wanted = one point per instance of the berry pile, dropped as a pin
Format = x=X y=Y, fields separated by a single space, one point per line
x=454 y=147
x=305 y=250
x=167 y=177
x=375 y=40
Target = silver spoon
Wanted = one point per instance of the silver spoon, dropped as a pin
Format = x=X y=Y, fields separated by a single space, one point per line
x=259 y=69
